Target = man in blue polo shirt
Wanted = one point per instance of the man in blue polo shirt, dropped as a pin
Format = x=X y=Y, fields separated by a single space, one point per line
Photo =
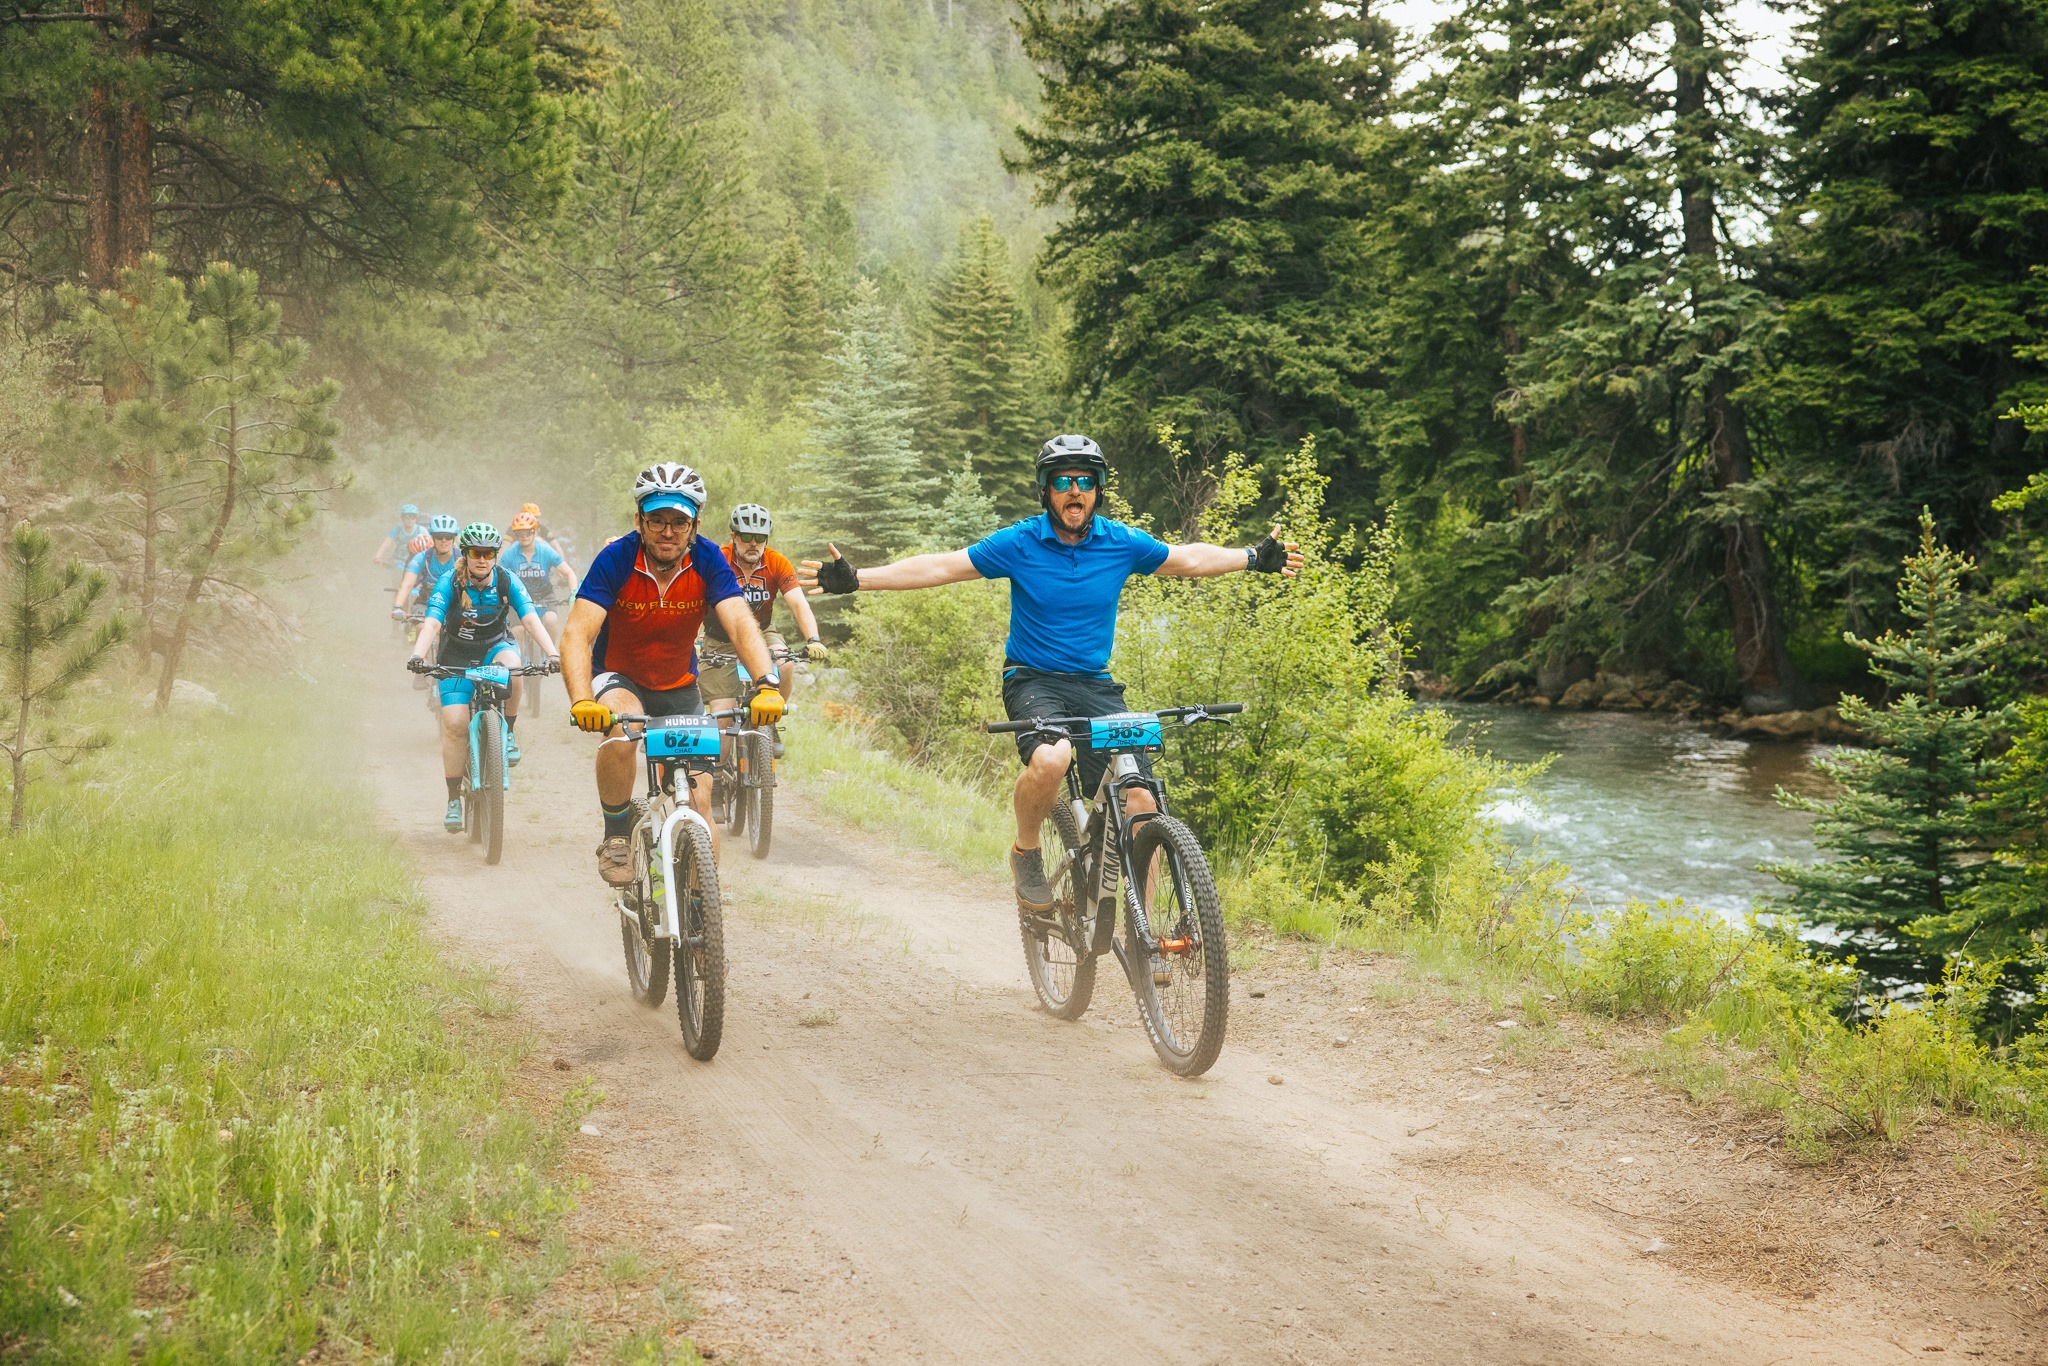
x=1066 y=569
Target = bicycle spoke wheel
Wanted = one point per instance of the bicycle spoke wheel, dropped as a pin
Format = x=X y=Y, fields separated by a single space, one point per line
x=1058 y=948
x=700 y=958
x=730 y=807
x=1183 y=988
x=490 y=743
x=647 y=958
x=759 y=795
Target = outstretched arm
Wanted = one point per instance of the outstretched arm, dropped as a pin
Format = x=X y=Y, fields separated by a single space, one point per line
x=1200 y=560
x=919 y=571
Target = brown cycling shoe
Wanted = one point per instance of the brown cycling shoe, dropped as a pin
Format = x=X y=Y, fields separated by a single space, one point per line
x=1027 y=872
x=615 y=860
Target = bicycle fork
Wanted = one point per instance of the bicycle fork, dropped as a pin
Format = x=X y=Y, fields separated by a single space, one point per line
x=476 y=749
x=1113 y=866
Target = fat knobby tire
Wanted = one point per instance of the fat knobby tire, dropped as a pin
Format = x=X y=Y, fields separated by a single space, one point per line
x=646 y=959
x=490 y=741
x=1184 y=1057
x=699 y=970
x=1072 y=1003
x=760 y=796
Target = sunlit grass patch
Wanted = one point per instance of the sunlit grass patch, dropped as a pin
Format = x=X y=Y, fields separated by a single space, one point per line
x=245 y=1108
x=857 y=780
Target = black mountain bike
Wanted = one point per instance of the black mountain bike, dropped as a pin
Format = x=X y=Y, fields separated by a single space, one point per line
x=670 y=915
x=1171 y=941
x=743 y=788
x=487 y=777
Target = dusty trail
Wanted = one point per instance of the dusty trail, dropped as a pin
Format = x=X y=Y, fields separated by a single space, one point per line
x=947 y=1174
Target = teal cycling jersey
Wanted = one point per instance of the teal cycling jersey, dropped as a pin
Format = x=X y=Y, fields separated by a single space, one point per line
x=483 y=614
x=428 y=570
x=535 y=571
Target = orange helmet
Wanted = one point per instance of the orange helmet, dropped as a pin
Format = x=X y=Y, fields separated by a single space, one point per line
x=531 y=509
x=525 y=521
x=420 y=542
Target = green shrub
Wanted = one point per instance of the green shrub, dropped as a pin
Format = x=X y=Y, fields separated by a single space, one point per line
x=1330 y=769
x=928 y=667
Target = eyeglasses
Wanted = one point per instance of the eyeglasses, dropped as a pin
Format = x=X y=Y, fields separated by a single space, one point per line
x=444 y=539
x=749 y=539
x=1067 y=483
x=477 y=552
x=672 y=525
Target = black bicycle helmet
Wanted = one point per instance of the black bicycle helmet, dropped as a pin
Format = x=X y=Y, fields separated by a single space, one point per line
x=1069 y=453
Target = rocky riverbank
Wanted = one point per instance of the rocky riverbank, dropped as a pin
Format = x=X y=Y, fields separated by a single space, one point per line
x=1653 y=692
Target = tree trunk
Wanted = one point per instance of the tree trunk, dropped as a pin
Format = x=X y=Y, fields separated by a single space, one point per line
x=1763 y=662
x=119 y=151
x=18 y=758
x=230 y=492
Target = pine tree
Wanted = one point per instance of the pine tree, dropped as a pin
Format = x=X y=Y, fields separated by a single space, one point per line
x=965 y=515
x=228 y=431
x=796 y=330
x=977 y=335
x=1216 y=162
x=52 y=638
x=861 y=483
x=572 y=51
x=1910 y=838
x=1912 y=242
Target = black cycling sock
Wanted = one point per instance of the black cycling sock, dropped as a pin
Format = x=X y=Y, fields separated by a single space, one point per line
x=511 y=722
x=454 y=788
x=618 y=820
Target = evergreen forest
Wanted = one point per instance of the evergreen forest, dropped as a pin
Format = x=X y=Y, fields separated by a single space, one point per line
x=1596 y=339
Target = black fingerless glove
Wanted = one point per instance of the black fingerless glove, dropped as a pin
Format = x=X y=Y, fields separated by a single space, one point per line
x=838 y=576
x=417 y=665
x=1267 y=557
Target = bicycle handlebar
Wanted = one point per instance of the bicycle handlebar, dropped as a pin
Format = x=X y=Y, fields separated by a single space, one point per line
x=629 y=719
x=458 y=670
x=1195 y=716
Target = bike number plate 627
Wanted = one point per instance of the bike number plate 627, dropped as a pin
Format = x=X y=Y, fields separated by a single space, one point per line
x=1125 y=730
x=683 y=737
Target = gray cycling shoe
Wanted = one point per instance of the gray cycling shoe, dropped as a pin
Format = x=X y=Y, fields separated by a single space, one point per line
x=615 y=860
x=1027 y=872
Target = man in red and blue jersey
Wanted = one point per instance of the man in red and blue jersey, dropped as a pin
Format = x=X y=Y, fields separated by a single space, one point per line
x=630 y=644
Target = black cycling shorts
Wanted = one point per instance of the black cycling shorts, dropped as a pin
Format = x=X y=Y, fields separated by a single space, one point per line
x=683 y=701
x=1031 y=693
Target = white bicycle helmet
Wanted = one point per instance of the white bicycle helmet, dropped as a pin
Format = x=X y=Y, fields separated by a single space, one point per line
x=672 y=486
x=751 y=519
x=444 y=525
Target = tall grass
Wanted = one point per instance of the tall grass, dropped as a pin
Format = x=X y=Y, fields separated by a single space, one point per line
x=245 y=1109
x=854 y=778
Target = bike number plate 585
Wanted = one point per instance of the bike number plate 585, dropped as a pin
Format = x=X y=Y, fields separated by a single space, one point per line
x=1125 y=730
x=489 y=673
x=683 y=737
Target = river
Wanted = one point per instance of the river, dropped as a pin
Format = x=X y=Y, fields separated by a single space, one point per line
x=1649 y=807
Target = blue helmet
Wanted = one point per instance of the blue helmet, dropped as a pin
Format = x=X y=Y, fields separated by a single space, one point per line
x=444 y=525
x=409 y=510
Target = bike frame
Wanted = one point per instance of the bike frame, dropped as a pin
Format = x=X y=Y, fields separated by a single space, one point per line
x=661 y=774
x=1119 y=825
x=486 y=697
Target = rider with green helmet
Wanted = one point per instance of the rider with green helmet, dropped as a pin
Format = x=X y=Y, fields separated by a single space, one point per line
x=471 y=613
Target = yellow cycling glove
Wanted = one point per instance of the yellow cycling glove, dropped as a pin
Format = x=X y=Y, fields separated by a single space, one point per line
x=594 y=717
x=765 y=709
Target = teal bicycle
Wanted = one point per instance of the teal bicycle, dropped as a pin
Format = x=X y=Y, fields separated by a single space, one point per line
x=1171 y=944
x=488 y=776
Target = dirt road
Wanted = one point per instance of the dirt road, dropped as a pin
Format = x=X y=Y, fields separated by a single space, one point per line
x=942 y=1173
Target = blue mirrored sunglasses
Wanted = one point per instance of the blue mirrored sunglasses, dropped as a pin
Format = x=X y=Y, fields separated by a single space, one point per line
x=1067 y=483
